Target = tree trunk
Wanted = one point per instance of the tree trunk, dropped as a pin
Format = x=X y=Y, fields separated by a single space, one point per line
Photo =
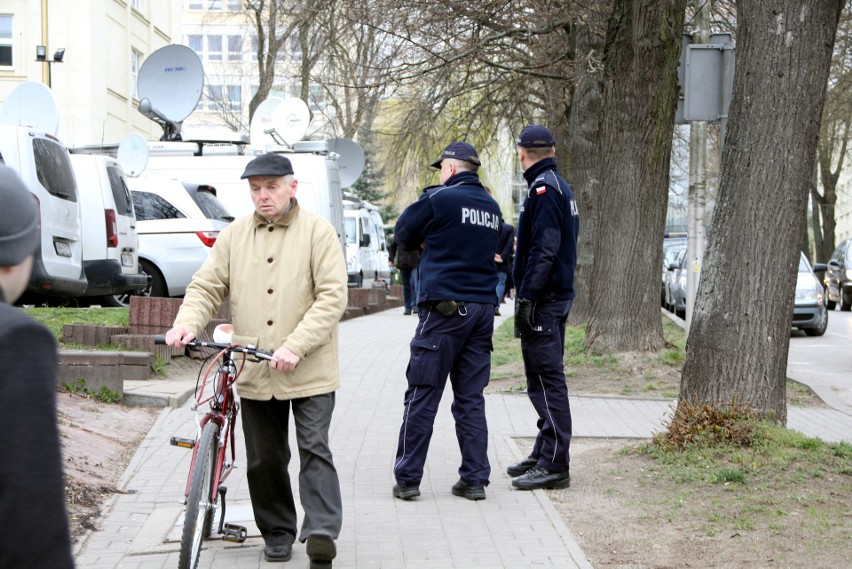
x=584 y=132
x=639 y=100
x=740 y=334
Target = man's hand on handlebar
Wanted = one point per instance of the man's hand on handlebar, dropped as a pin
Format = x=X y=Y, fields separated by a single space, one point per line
x=284 y=360
x=179 y=337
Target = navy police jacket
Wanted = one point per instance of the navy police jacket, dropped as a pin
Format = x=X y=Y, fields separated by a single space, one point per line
x=457 y=224
x=547 y=231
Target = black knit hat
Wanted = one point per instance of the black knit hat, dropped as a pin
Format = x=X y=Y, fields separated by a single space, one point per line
x=19 y=232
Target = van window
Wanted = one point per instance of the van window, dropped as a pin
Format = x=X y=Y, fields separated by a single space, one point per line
x=151 y=206
x=120 y=193
x=350 y=230
x=211 y=206
x=53 y=168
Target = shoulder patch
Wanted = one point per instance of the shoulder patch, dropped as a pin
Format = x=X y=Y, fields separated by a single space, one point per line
x=540 y=190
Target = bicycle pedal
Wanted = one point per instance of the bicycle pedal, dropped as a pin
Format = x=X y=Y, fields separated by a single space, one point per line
x=234 y=533
x=182 y=443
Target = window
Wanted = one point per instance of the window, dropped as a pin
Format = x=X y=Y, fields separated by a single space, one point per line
x=215 y=4
x=214 y=48
x=150 y=206
x=214 y=97
x=254 y=48
x=235 y=5
x=316 y=97
x=6 y=40
x=234 y=98
x=53 y=168
x=136 y=5
x=135 y=62
x=196 y=43
x=235 y=48
x=196 y=4
x=210 y=205
x=120 y=192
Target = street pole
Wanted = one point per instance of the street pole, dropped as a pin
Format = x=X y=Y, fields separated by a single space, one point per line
x=697 y=196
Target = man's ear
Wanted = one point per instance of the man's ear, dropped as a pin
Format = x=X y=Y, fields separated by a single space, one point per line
x=295 y=185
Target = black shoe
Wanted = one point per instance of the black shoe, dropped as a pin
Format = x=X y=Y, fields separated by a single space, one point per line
x=497 y=311
x=321 y=550
x=465 y=490
x=278 y=552
x=403 y=491
x=538 y=478
x=521 y=467
x=406 y=312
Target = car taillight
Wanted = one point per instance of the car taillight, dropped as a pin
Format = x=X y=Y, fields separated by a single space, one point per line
x=111 y=228
x=207 y=237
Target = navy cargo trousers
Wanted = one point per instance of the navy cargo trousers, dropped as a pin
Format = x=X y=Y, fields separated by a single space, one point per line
x=543 y=351
x=458 y=346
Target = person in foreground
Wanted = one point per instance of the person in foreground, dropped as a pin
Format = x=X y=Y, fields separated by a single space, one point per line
x=456 y=320
x=543 y=271
x=284 y=271
x=32 y=487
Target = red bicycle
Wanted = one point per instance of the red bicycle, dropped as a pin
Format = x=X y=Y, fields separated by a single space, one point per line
x=210 y=463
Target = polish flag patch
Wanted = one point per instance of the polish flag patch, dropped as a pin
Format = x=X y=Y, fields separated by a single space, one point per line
x=540 y=190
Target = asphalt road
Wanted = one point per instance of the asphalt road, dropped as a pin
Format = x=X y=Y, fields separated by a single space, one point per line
x=825 y=363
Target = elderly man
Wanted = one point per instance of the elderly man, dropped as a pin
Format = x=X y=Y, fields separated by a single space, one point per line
x=458 y=223
x=32 y=498
x=284 y=270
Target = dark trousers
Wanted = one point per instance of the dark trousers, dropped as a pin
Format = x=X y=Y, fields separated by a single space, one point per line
x=265 y=424
x=543 y=351
x=458 y=346
x=409 y=287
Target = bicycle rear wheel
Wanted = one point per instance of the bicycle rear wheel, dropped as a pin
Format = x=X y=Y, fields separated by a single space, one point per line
x=200 y=504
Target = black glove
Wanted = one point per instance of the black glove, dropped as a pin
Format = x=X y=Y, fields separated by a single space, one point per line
x=524 y=315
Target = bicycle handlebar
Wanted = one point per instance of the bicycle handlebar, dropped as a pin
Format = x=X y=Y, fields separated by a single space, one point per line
x=250 y=350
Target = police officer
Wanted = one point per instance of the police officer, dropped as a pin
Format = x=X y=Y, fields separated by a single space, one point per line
x=544 y=278
x=458 y=223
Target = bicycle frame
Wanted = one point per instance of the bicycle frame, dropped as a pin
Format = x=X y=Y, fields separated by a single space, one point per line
x=224 y=409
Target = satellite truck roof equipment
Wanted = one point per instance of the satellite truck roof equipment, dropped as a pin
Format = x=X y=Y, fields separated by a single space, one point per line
x=170 y=83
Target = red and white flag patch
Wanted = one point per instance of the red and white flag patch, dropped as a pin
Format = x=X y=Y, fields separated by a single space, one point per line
x=540 y=190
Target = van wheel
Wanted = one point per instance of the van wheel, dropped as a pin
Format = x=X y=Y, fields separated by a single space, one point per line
x=158 y=283
x=845 y=306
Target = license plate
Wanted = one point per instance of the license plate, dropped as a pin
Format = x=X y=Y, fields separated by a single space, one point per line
x=63 y=249
x=126 y=260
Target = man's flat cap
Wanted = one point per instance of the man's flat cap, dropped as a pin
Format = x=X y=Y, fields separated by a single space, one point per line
x=270 y=164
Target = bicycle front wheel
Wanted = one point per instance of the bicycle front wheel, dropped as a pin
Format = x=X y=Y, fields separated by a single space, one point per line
x=200 y=504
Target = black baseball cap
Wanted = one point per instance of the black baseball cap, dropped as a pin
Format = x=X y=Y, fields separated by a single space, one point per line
x=535 y=136
x=459 y=151
x=270 y=164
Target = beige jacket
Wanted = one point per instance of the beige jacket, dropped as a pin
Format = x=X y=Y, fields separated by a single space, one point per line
x=287 y=286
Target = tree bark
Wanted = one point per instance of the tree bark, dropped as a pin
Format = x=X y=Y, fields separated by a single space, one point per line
x=739 y=339
x=584 y=131
x=639 y=100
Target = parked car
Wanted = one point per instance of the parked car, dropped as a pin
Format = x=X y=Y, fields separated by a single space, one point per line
x=178 y=223
x=110 y=243
x=671 y=247
x=43 y=163
x=810 y=313
x=366 y=247
x=675 y=297
x=838 y=277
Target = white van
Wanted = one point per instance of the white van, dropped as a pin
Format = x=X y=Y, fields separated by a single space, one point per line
x=316 y=171
x=110 y=243
x=43 y=163
x=366 y=247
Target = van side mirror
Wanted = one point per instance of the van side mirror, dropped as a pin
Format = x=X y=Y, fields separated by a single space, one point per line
x=820 y=267
x=365 y=241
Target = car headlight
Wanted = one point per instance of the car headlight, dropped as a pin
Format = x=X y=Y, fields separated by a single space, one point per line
x=849 y=274
x=811 y=295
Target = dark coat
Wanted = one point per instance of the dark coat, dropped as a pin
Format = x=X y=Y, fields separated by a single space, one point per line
x=32 y=501
x=505 y=246
x=403 y=258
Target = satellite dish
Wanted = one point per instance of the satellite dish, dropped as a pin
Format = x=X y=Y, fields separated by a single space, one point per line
x=261 y=121
x=169 y=85
x=290 y=119
x=351 y=161
x=133 y=154
x=31 y=104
